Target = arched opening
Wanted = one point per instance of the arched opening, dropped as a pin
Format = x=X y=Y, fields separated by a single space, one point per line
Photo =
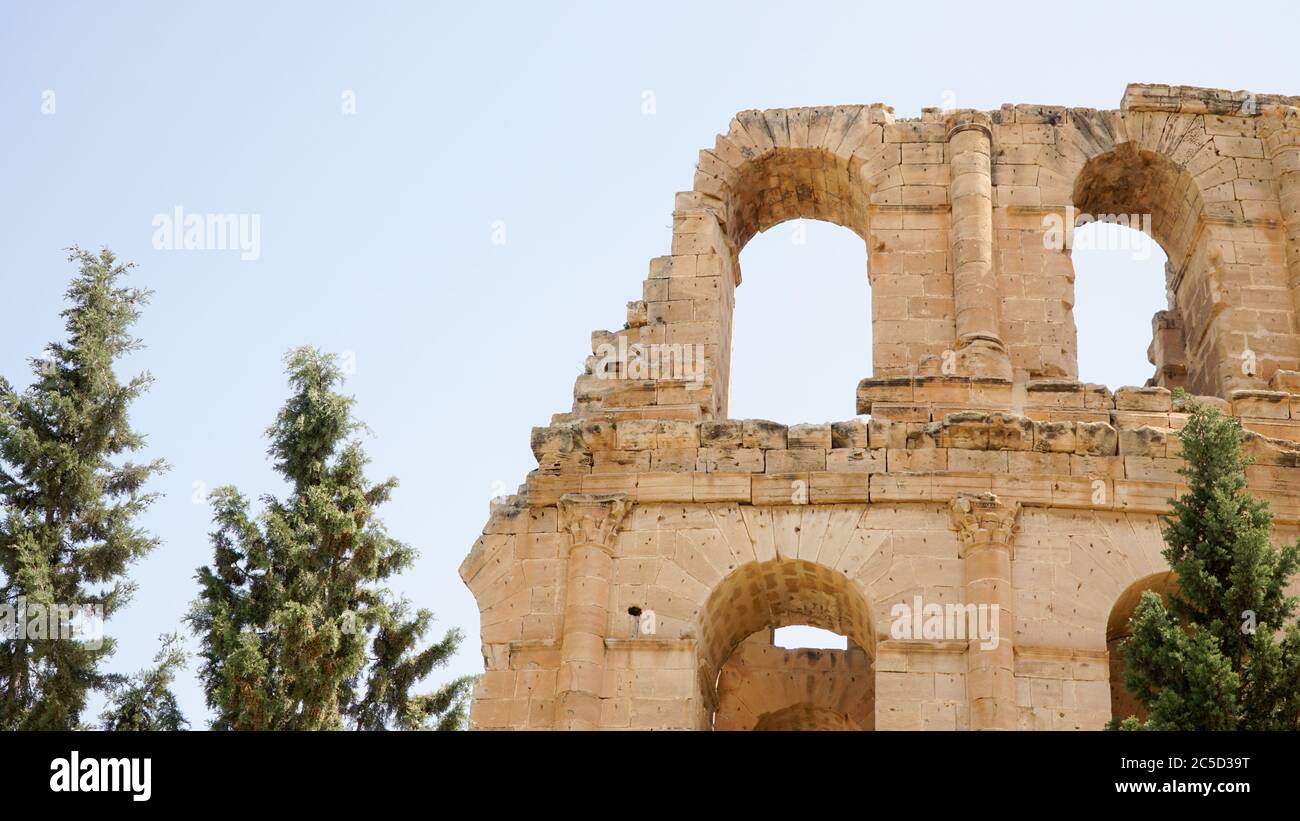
x=750 y=683
x=1122 y=702
x=1121 y=305
x=805 y=326
x=1133 y=238
x=1129 y=180
x=802 y=325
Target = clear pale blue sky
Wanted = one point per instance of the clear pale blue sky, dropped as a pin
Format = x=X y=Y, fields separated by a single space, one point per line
x=376 y=228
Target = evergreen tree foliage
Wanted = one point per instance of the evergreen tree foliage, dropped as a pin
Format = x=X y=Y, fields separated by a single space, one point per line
x=145 y=701
x=297 y=631
x=1223 y=652
x=68 y=508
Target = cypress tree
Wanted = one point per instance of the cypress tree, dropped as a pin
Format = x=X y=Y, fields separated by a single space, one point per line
x=1223 y=652
x=145 y=701
x=297 y=631
x=67 y=508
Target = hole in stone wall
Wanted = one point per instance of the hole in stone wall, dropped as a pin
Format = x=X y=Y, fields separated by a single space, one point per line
x=1119 y=285
x=804 y=637
x=802 y=334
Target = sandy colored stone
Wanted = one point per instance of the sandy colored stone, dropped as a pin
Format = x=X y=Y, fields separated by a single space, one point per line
x=636 y=578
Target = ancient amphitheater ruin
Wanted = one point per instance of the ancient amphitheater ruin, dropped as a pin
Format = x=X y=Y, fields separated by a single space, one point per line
x=636 y=578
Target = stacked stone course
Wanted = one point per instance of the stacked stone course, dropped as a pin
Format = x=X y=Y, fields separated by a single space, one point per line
x=980 y=471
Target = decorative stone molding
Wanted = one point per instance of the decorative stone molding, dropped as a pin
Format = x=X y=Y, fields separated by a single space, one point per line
x=593 y=518
x=982 y=519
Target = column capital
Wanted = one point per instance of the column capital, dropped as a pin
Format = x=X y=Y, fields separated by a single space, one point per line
x=983 y=519
x=593 y=518
x=968 y=120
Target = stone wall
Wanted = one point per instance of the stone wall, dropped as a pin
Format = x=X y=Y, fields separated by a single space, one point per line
x=980 y=472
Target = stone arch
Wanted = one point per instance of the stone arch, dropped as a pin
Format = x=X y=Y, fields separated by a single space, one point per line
x=783 y=164
x=780 y=592
x=1187 y=174
x=762 y=686
x=829 y=164
x=1146 y=190
x=1122 y=703
x=796 y=183
x=1132 y=180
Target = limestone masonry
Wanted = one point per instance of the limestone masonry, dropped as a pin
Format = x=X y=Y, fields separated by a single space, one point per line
x=636 y=578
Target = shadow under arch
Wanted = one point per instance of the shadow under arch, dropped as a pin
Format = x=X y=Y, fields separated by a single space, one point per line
x=796 y=183
x=1128 y=180
x=1122 y=702
x=805 y=717
x=773 y=594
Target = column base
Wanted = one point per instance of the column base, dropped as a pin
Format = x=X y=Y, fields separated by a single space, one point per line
x=984 y=356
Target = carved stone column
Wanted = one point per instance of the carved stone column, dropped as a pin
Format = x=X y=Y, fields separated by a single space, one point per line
x=979 y=347
x=985 y=526
x=1280 y=130
x=592 y=521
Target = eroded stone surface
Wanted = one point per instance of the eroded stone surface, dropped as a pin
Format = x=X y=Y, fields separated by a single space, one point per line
x=635 y=579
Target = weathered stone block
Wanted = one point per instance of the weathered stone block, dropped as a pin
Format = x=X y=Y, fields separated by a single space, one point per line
x=1095 y=439
x=760 y=433
x=785 y=489
x=1143 y=441
x=838 y=488
x=1143 y=399
x=1282 y=380
x=1261 y=404
x=855 y=460
x=969 y=430
x=887 y=434
x=1034 y=462
x=730 y=459
x=1010 y=432
x=851 y=434
x=795 y=461
x=1054 y=437
x=809 y=436
x=725 y=434
x=721 y=487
